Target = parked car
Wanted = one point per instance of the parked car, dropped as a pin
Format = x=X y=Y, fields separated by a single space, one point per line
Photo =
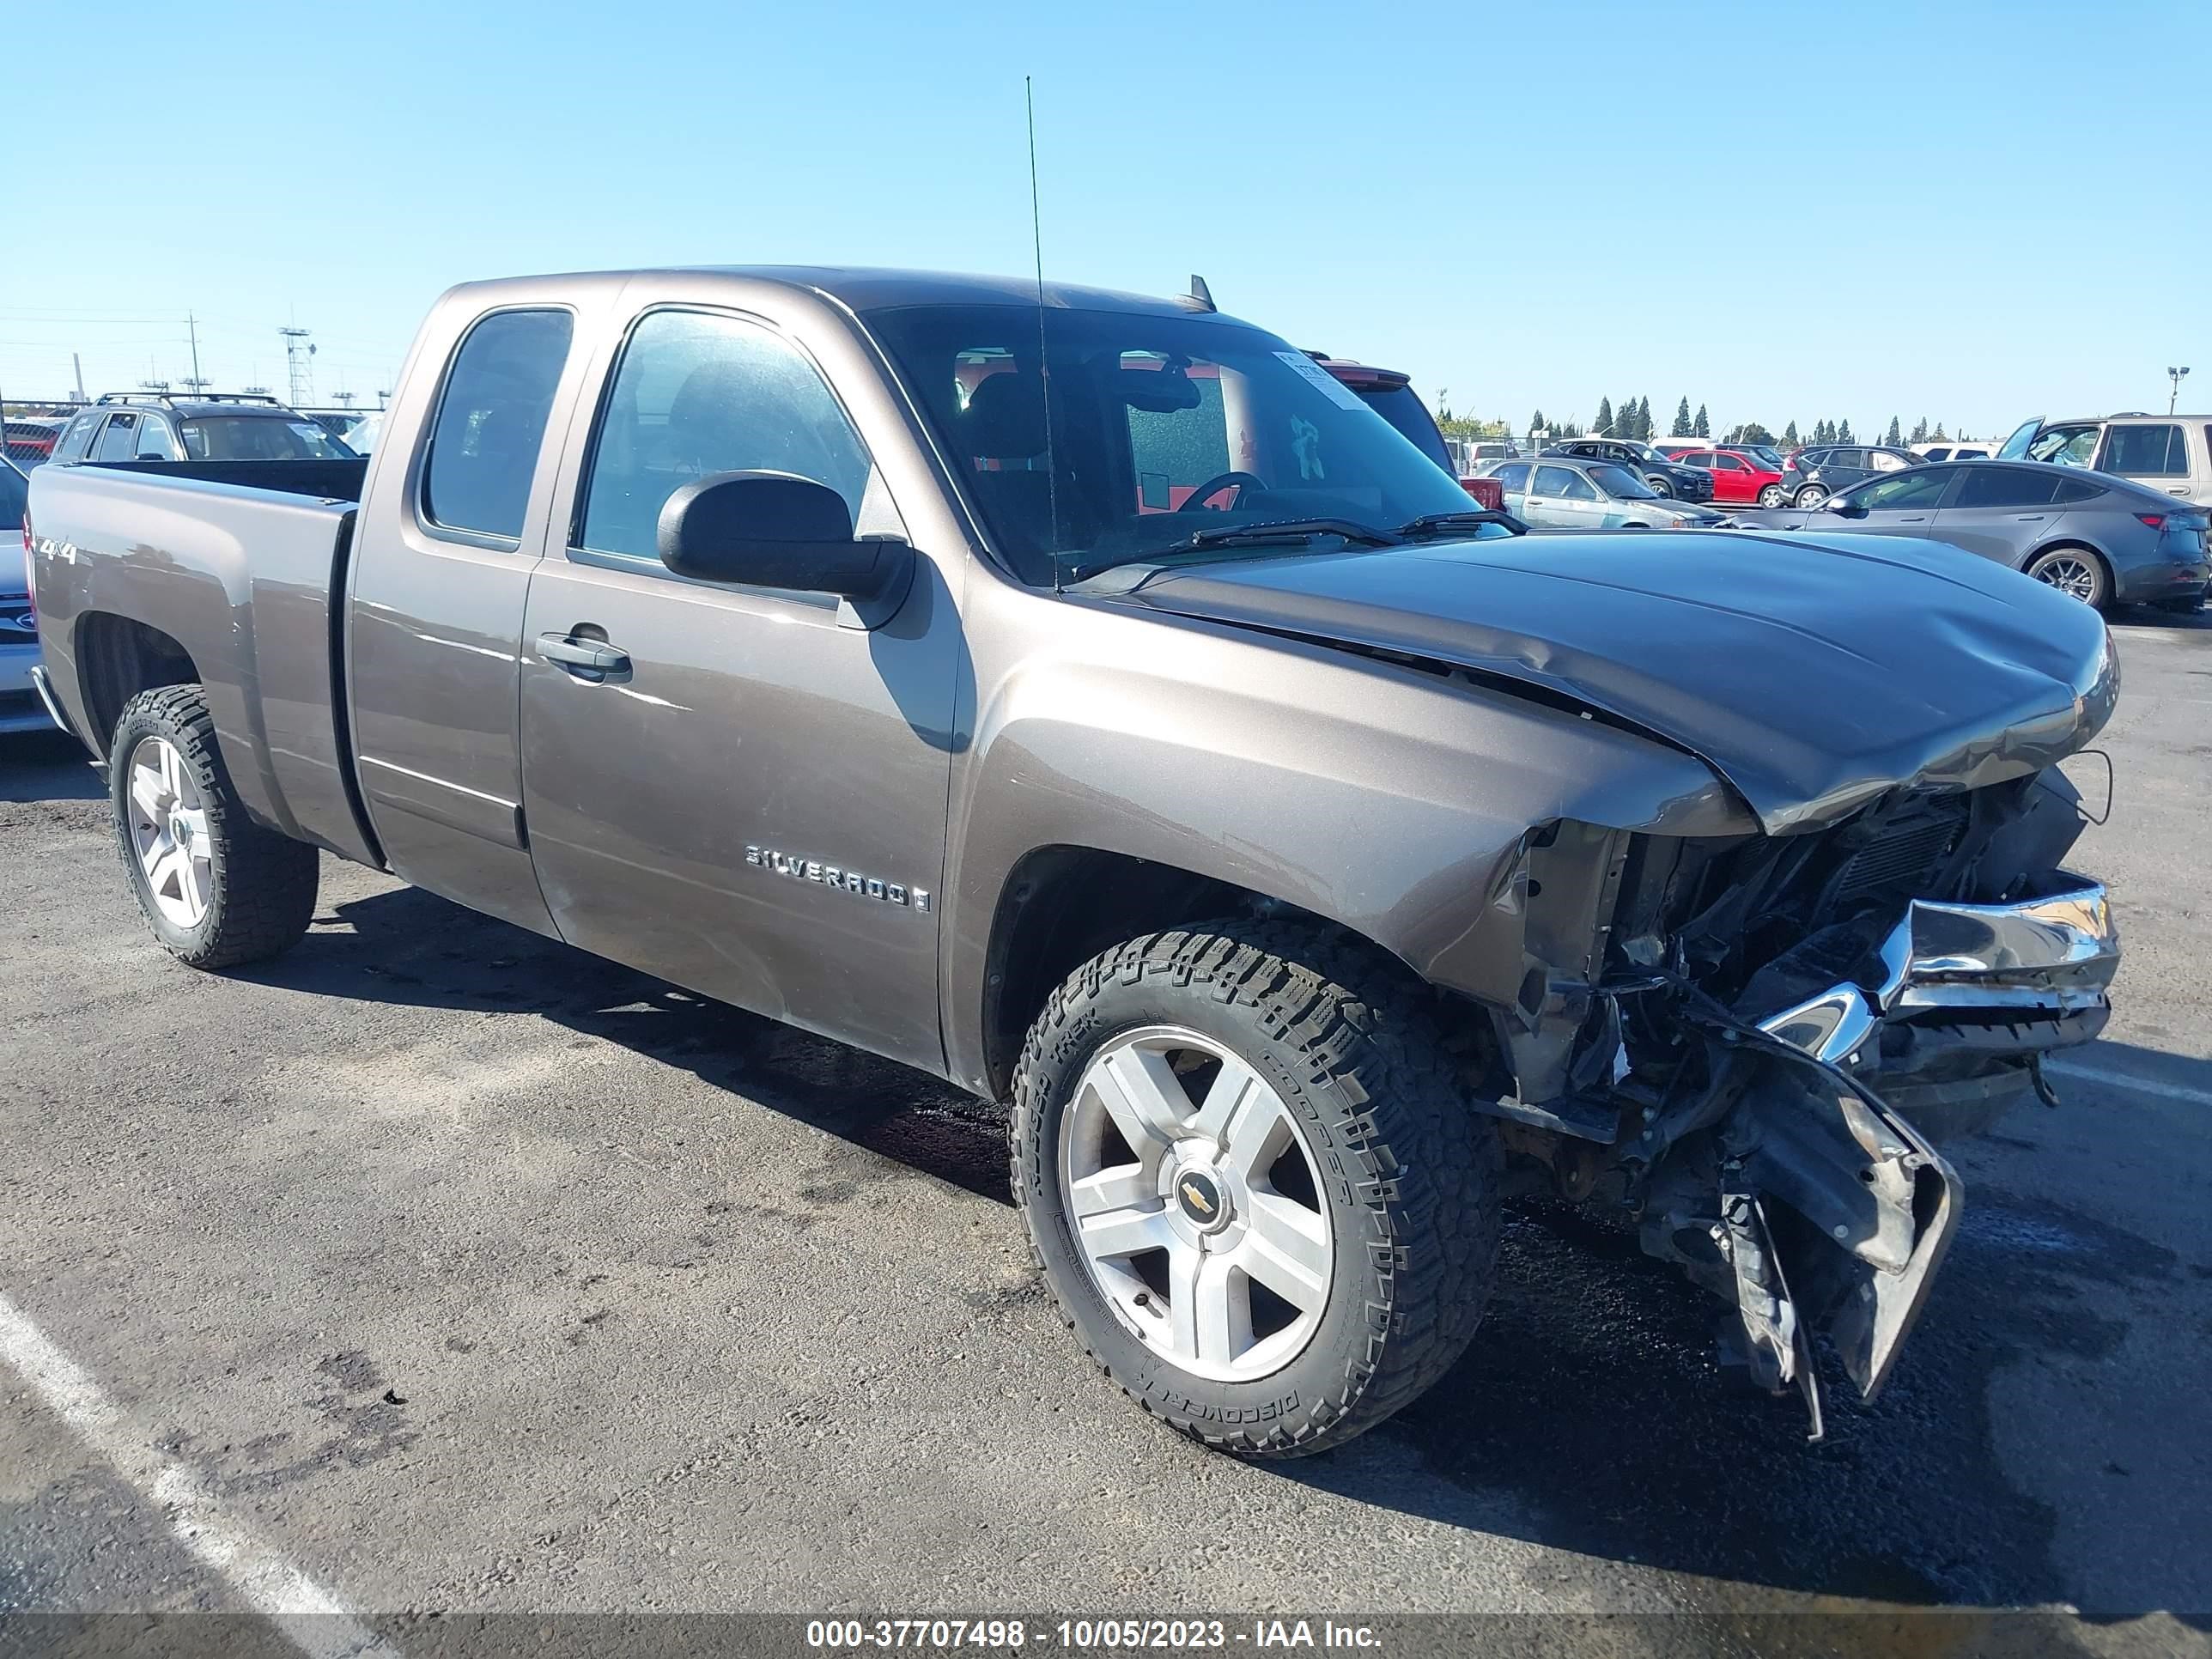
x=2103 y=540
x=19 y=709
x=1667 y=477
x=2172 y=454
x=794 y=636
x=28 y=439
x=1813 y=475
x=1739 y=475
x=1948 y=451
x=1767 y=454
x=1561 y=494
x=131 y=426
x=1391 y=395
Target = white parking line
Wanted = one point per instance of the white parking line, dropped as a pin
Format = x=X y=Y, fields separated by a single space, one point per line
x=309 y=1616
x=2142 y=1085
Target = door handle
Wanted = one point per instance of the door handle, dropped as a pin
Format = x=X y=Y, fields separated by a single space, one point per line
x=588 y=659
x=2030 y=517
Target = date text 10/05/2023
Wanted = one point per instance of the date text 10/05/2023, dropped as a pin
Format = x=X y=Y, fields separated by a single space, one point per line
x=1091 y=1635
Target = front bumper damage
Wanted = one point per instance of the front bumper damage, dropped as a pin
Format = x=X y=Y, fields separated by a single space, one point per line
x=1805 y=1186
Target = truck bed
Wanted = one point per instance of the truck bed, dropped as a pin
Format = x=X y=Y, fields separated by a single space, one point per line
x=234 y=565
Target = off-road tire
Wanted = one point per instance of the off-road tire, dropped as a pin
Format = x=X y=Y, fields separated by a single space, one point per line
x=1412 y=1175
x=261 y=895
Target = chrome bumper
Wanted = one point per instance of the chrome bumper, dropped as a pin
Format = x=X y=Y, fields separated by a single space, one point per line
x=1957 y=999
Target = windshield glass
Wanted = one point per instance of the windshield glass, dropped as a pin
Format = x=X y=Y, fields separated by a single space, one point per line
x=259 y=438
x=1620 y=484
x=1157 y=427
x=13 y=493
x=1771 y=458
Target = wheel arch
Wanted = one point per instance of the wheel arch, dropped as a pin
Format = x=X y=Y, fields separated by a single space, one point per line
x=118 y=656
x=2077 y=544
x=1063 y=903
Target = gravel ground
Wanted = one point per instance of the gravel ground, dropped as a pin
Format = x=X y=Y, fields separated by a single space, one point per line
x=470 y=1273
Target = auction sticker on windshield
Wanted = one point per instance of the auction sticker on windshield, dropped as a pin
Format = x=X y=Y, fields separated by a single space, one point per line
x=1330 y=387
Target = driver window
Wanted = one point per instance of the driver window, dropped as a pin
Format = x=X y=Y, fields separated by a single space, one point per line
x=2068 y=445
x=1576 y=487
x=1554 y=481
x=697 y=394
x=1916 y=489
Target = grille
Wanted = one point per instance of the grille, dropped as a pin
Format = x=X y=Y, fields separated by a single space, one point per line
x=1897 y=865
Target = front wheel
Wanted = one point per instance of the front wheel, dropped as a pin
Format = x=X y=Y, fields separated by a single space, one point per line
x=1774 y=497
x=1811 y=495
x=217 y=887
x=1252 y=1178
x=1665 y=486
x=2074 y=571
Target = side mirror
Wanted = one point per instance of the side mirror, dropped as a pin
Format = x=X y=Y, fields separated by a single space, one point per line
x=775 y=530
x=1846 y=509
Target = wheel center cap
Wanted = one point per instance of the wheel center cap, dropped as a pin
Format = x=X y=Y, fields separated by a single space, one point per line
x=1203 y=1202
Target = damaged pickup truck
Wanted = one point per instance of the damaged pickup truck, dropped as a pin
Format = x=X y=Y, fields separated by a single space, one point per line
x=1086 y=699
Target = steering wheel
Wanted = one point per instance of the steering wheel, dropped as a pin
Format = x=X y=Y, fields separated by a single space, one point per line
x=1214 y=485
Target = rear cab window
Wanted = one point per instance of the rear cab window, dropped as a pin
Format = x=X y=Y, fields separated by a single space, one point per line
x=491 y=423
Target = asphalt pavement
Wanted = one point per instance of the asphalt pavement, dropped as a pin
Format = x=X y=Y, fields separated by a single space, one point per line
x=449 y=1270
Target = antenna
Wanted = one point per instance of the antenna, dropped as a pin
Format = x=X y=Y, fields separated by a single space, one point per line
x=1044 y=373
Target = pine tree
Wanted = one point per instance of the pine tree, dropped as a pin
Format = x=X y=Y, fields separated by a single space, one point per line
x=1823 y=433
x=1682 y=428
x=1624 y=422
x=1701 y=428
x=1604 y=426
x=1896 y=433
x=1920 y=430
x=1844 y=433
x=1536 y=422
x=1790 y=434
x=1939 y=432
x=1644 y=427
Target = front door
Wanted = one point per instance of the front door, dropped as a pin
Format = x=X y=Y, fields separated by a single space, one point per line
x=750 y=799
x=1561 y=498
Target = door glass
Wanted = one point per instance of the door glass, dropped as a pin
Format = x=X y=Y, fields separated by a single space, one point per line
x=2145 y=451
x=1555 y=481
x=1576 y=487
x=2068 y=445
x=1882 y=461
x=2015 y=448
x=118 y=440
x=154 y=443
x=1916 y=490
x=1513 y=477
x=492 y=421
x=1993 y=487
x=697 y=394
x=1725 y=463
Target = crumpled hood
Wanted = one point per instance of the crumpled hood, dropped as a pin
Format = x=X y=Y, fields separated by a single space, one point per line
x=1812 y=674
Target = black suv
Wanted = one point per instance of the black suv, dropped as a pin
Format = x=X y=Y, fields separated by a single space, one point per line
x=1688 y=483
x=1813 y=475
x=138 y=426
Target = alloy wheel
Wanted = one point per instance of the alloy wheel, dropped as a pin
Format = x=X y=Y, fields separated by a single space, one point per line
x=2070 y=574
x=169 y=832
x=1194 y=1199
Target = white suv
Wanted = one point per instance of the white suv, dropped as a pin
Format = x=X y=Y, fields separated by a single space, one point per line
x=2173 y=452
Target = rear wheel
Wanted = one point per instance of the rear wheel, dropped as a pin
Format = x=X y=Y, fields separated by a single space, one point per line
x=217 y=888
x=1774 y=497
x=2075 y=571
x=1812 y=495
x=1254 y=1183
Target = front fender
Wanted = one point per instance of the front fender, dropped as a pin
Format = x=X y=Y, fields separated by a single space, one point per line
x=1380 y=796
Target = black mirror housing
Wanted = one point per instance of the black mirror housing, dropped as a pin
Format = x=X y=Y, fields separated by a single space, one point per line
x=774 y=530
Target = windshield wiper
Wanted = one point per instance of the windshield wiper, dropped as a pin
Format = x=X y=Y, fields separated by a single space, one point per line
x=1279 y=530
x=1446 y=523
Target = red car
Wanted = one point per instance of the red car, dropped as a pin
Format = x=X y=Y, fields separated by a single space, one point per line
x=1738 y=478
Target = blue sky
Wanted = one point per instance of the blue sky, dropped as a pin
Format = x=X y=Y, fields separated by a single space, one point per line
x=1972 y=212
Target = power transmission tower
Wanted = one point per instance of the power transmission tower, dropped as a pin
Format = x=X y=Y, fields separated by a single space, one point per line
x=300 y=365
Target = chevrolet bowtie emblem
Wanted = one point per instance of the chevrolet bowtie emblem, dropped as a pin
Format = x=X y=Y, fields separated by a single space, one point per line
x=1191 y=1192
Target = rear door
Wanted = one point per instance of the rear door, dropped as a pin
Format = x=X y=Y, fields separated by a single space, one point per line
x=452 y=520
x=1513 y=479
x=753 y=804
x=2152 y=453
x=2000 y=511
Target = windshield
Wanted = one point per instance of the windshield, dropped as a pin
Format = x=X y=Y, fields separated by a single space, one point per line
x=1157 y=427
x=259 y=438
x=13 y=494
x=1620 y=484
x=1772 y=457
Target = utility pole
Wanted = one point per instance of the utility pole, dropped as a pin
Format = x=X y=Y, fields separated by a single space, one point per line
x=192 y=323
x=2174 y=397
x=299 y=365
x=382 y=398
x=78 y=363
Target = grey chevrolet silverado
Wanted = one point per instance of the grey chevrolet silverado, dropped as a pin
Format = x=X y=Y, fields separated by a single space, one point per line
x=1087 y=699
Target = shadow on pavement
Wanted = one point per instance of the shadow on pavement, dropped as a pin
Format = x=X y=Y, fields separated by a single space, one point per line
x=37 y=766
x=1589 y=1414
